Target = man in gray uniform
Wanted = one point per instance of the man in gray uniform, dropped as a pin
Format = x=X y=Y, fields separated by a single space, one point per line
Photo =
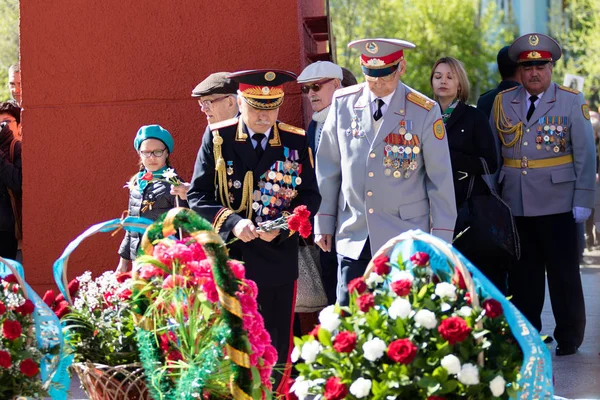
x=383 y=164
x=548 y=181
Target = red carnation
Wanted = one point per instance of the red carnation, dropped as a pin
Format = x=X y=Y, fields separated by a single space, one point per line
x=73 y=287
x=12 y=329
x=5 y=359
x=335 y=389
x=315 y=332
x=2 y=308
x=29 y=367
x=147 y=176
x=365 y=302
x=124 y=294
x=402 y=351
x=493 y=308
x=26 y=308
x=454 y=330
x=459 y=280
x=62 y=309
x=305 y=229
x=49 y=298
x=302 y=212
x=294 y=223
x=11 y=278
x=344 y=342
x=420 y=259
x=381 y=265
x=468 y=298
x=123 y=277
x=357 y=284
x=402 y=287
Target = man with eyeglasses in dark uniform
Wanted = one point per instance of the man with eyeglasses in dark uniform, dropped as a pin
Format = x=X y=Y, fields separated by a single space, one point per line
x=217 y=97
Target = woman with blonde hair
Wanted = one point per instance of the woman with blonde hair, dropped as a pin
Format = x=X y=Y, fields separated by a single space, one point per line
x=469 y=139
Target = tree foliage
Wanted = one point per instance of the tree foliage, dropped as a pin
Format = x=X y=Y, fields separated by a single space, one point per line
x=463 y=29
x=578 y=30
x=9 y=42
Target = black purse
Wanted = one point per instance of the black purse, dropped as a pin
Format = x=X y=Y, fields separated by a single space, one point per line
x=485 y=223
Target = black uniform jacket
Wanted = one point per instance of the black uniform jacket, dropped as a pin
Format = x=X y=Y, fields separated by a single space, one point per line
x=486 y=100
x=469 y=138
x=269 y=264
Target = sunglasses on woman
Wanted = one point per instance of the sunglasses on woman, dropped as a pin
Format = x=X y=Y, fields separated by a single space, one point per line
x=315 y=86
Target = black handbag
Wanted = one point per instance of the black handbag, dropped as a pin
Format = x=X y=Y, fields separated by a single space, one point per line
x=485 y=223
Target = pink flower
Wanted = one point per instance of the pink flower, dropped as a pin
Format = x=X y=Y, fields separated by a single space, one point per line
x=197 y=251
x=420 y=259
x=162 y=254
x=174 y=280
x=181 y=252
x=149 y=271
x=237 y=268
x=207 y=284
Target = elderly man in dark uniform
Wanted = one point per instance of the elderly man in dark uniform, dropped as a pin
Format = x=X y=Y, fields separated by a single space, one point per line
x=548 y=181
x=251 y=169
x=217 y=97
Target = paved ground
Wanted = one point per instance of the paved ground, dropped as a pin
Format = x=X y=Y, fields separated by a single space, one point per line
x=576 y=376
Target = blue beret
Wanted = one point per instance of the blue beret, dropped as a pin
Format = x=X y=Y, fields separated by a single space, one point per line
x=153 y=132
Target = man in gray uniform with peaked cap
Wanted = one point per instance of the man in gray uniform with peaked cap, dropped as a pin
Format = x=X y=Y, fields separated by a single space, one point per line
x=383 y=164
x=547 y=179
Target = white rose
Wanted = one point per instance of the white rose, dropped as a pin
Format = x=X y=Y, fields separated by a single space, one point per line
x=295 y=354
x=399 y=308
x=451 y=363
x=360 y=388
x=497 y=386
x=446 y=291
x=469 y=375
x=373 y=280
x=310 y=350
x=465 y=311
x=329 y=319
x=397 y=275
x=426 y=319
x=300 y=388
x=374 y=349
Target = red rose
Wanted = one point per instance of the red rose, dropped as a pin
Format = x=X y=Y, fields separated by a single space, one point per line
x=26 y=308
x=402 y=351
x=12 y=329
x=402 y=287
x=62 y=309
x=302 y=212
x=459 y=280
x=493 y=308
x=315 y=332
x=420 y=259
x=10 y=278
x=344 y=342
x=357 y=284
x=29 y=368
x=2 y=308
x=335 y=389
x=147 y=176
x=49 y=298
x=124 y=294
x=468 y=298
x=73 y=287
x=365 y=302
x=5 y=359
x=380 y=265
x=305 y=229
x=454 y=330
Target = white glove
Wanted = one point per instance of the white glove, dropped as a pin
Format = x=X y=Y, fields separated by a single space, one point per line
x=581 y=214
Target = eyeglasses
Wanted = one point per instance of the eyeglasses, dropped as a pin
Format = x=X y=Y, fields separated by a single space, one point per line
x=315 y=86
x=7 y=121
x=208 y=103
x=386 y=78
x=155 y=153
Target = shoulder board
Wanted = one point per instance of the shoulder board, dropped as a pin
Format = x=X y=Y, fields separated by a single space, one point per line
x=223 y=124
x=349 y=90
x=510 y=89
x=291 y=129
x=568 y=89
x=420 y=100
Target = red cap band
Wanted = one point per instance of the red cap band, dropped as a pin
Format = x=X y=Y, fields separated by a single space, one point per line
x=381 y=62
x=534 y=55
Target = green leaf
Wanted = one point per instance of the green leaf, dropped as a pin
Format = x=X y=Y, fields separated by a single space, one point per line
x=324 y=337
x=427 y=382
x=449 y=386
x=440 y=374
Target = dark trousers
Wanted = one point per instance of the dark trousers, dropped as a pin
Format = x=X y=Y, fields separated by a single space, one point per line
x=8 y=245
x=349 y=269
x=493 y=266
x=276 y=305
x=329 y=272
x=549 y=244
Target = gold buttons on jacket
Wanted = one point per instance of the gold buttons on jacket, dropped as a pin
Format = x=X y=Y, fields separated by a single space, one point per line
x=372 y=155
x=371 y=174
x=369 y=193
x=527 y=130
x=525 y=143
x=371 y=211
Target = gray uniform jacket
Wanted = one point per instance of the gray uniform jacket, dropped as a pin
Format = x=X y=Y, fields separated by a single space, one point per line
x=532 y=191
x=360 y=198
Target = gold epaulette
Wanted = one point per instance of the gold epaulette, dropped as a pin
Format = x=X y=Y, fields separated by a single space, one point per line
x=508 y=90
x=292 y=129
x=568 y=89
x=223 y=124
x=349 y=90
x=420 y=100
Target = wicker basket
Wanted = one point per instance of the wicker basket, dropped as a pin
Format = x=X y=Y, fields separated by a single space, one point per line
x=121 y=382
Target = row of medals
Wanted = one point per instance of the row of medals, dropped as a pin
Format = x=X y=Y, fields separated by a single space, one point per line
x=550 y=135
x=276 y=190
x=400 y=152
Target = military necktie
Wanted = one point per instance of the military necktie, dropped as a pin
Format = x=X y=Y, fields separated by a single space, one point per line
x=532 y=99
x=258 y=149
x=378 y=114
